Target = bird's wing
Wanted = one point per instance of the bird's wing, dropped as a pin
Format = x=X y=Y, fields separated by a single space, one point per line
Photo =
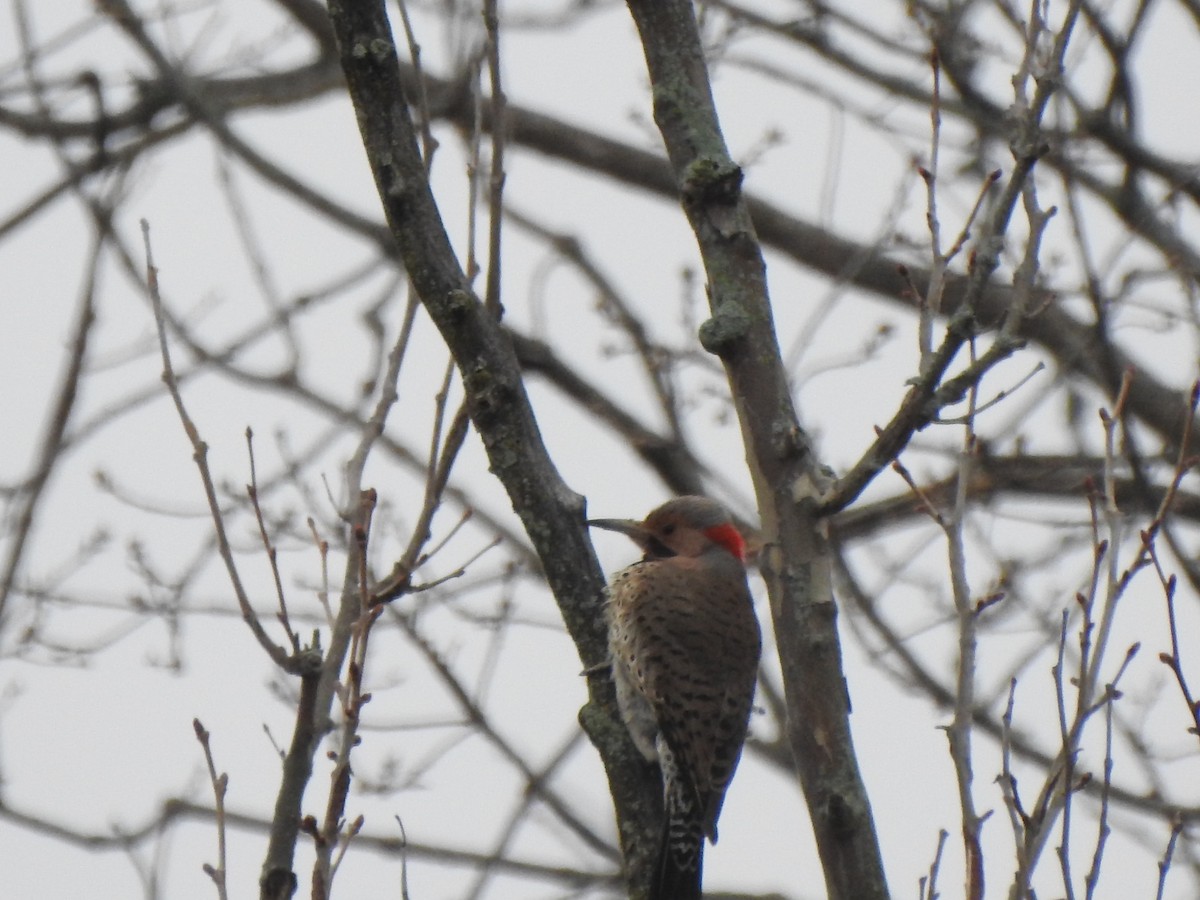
x=697 y=655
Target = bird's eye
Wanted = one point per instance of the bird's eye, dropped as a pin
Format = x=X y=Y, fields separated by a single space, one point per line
x=668 y=528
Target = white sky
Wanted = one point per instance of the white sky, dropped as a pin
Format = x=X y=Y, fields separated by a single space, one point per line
x=98 y=747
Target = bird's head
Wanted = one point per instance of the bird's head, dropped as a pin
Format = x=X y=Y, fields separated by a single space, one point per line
x=685 y=526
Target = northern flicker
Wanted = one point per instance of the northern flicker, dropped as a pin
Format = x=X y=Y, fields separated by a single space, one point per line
x=685 y=645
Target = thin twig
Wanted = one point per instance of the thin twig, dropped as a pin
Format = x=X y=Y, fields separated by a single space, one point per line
x=277 y=653
x=497 y=175
x=403 y=860
x=1068 y=752
x=1092 y=879
x=1164 y=864
x=330 y=835
x=220 y=783
x=50 y=450
x=928 y=885
x=476 y=717
x=323 y=551
x=1018 y=818
x=960 y=731
x=1174 y=659
x=268 y=546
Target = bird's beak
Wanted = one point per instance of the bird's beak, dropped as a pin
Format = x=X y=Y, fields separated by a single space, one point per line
x=628 y=527
x=636 y=532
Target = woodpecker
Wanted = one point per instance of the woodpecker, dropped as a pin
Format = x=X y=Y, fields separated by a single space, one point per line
x=685 y=645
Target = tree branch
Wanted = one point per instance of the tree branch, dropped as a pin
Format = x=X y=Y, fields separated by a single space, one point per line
x=552 y=514
x=782 y=462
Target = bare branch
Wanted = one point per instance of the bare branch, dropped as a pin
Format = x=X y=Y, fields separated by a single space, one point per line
x=200 y=455
x=220 y=783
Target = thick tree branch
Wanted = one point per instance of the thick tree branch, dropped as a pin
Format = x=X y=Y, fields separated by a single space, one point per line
x=551 y=513
x=785 y=471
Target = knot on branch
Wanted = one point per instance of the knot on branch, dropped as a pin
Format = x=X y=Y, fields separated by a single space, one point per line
x=712 y=180
x=277 y=884
x=489 y=396
x=459 y=304
x=393 y=183
x=721 y=334
x=1028 y=145
x=309 y=662
x=376 y=50
x=487 y=389
x=841 y=817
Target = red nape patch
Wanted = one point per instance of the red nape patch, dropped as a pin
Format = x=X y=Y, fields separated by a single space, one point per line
x=727 y=536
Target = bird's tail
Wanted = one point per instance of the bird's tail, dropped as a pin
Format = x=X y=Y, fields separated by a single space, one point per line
x=680 y=857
